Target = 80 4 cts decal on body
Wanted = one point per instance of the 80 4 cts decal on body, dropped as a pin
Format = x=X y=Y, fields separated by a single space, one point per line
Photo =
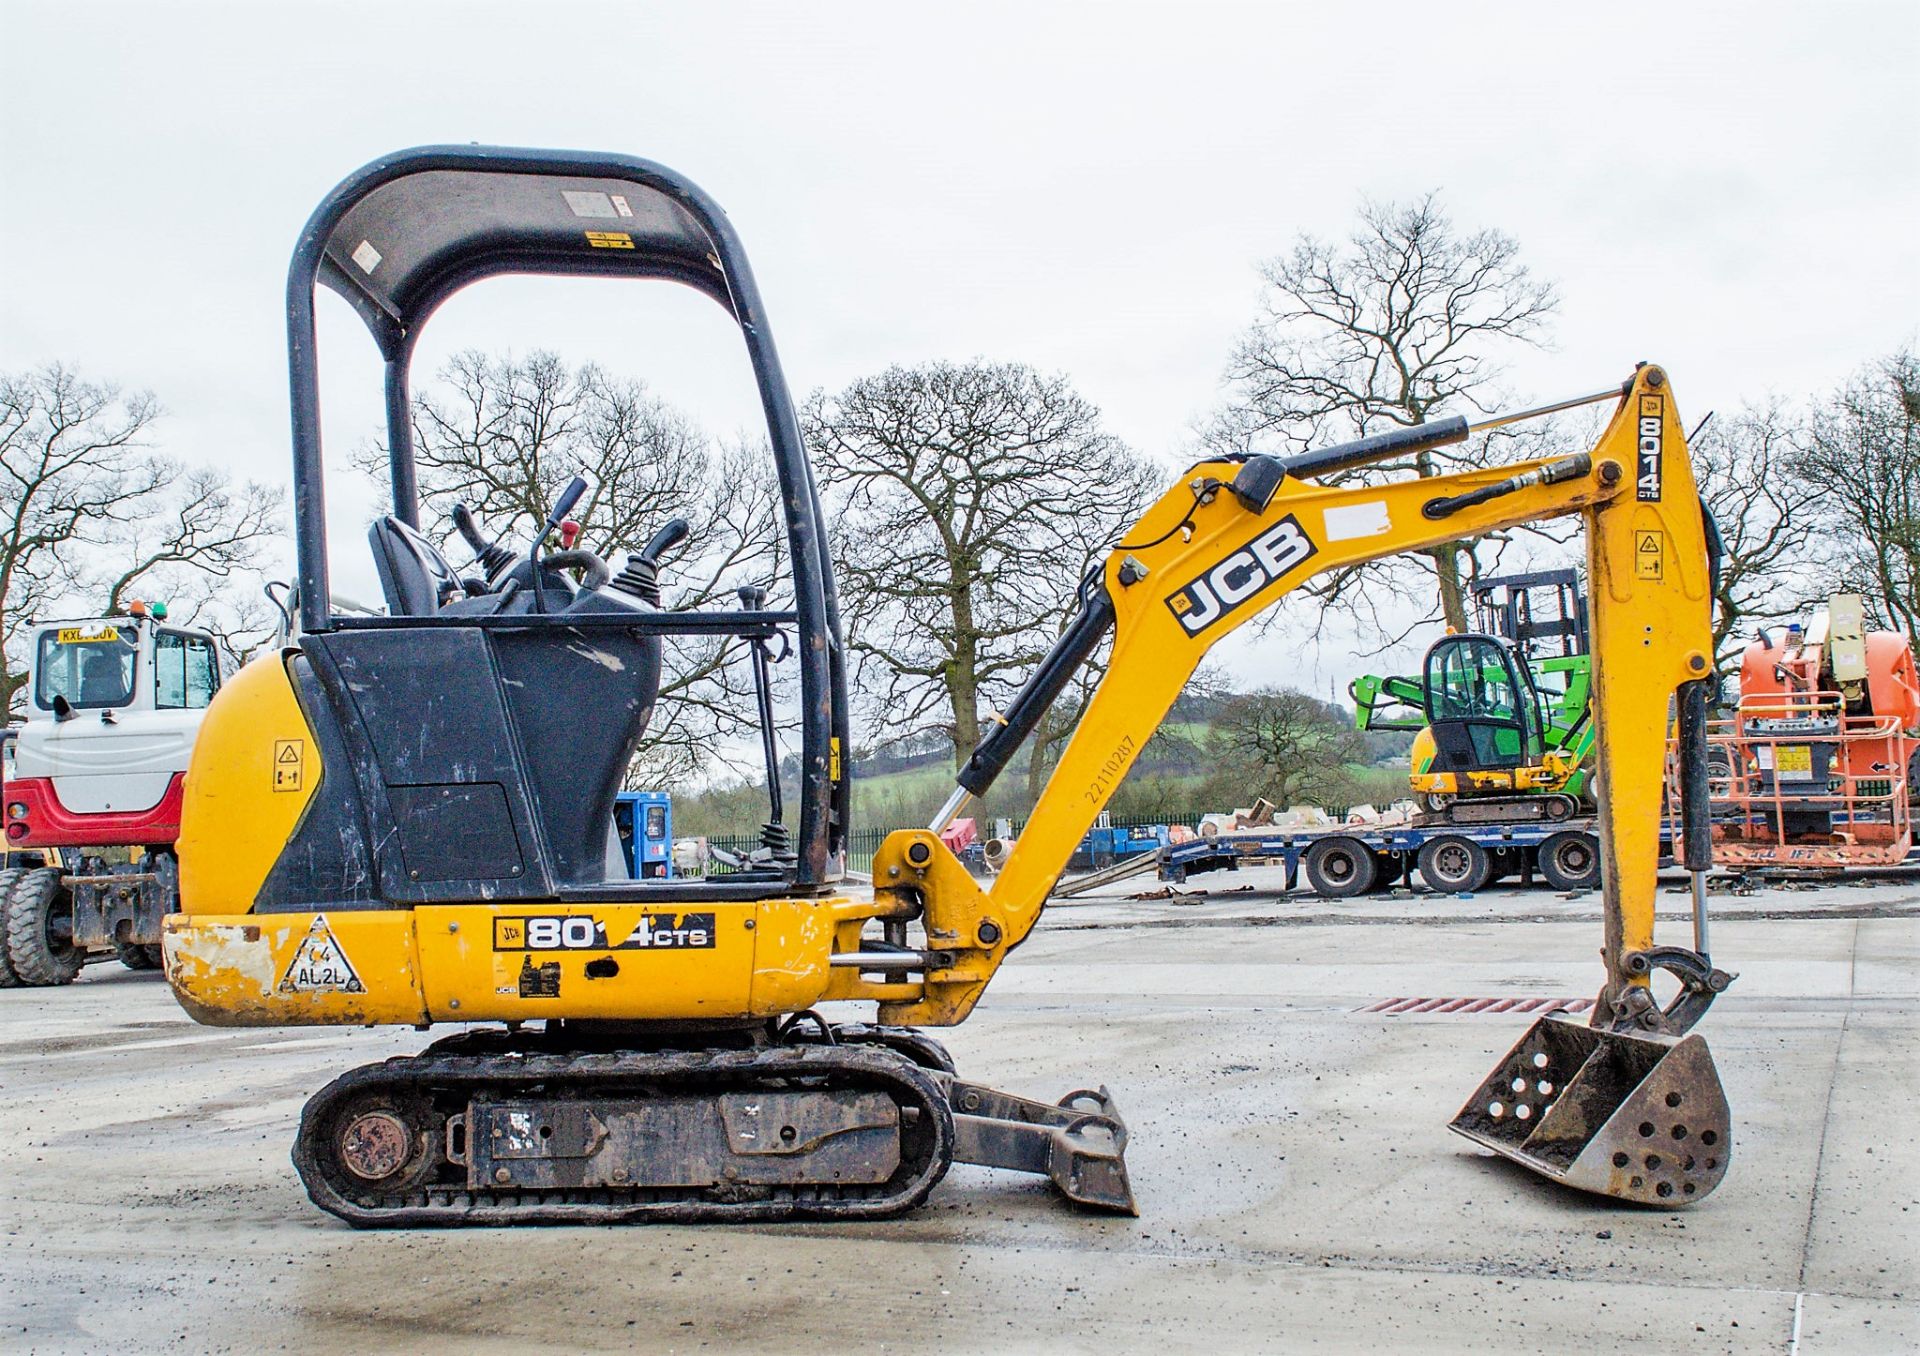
x=583 y=932
x=1223 y=587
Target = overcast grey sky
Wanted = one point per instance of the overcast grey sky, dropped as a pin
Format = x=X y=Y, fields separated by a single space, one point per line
x=1731 y=189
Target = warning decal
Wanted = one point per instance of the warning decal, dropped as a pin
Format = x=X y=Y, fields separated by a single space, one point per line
x=610 y=240
x=289 y=764
x=319 y=965
x=1649 y=554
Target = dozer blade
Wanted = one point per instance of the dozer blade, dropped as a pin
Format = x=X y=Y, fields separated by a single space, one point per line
x=1636 y=1116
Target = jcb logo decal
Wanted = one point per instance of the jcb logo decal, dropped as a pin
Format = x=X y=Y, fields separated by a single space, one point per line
x=582 y=932
x=1653 y=419
x=1224 y=587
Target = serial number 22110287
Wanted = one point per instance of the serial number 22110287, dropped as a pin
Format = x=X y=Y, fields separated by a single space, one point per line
x=1110 y=772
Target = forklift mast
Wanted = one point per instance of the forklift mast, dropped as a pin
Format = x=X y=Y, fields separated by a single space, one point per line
x=1542 y=612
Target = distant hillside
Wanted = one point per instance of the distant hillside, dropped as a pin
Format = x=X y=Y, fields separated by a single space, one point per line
x=1175 y=777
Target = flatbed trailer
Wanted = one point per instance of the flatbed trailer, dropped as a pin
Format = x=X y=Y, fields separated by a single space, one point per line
x=1343 y=860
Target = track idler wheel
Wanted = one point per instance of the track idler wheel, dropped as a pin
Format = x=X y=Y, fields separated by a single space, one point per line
x=385 y=1143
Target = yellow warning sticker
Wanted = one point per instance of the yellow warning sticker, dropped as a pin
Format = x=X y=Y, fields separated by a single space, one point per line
x=610 y=240
x=319 y=965
x=86 y=635
x=1794 y=762
x=1649 y=554
x=289 y=764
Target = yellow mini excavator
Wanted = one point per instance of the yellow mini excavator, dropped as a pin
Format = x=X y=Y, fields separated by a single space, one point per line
x=403 y=819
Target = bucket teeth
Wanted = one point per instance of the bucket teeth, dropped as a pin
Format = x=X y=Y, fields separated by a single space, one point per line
x=1638 y=1117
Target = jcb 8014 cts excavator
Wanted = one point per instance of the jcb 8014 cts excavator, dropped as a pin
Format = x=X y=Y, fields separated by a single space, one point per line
x=403 y=819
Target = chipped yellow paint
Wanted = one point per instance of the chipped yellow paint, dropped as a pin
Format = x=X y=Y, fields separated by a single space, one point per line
x=234 y=970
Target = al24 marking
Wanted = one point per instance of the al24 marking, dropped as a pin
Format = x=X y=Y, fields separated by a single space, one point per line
x=1226 y=585
x=583 y=932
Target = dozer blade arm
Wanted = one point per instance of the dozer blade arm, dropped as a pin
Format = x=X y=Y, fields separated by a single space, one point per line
x=1233 y=539
x=1388 y=703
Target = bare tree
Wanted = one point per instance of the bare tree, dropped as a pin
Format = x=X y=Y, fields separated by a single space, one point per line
x=92 y=514
x=1767 y=518
x=1398 y=323
x=1861 y=467
x=969 y=500
x=1294 y=748
x=505 y=434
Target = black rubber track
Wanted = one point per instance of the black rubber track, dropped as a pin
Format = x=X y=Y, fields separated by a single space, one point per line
x=447 y=1082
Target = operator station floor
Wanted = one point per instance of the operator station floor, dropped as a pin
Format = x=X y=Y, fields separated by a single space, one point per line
x=1297 y=1184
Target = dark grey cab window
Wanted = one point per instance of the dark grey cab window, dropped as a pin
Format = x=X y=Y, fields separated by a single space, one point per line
x=91 y=666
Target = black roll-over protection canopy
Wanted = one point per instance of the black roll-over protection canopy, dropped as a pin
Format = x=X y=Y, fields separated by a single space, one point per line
x=405 y=232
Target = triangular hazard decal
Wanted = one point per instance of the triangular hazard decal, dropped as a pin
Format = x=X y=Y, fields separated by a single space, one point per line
x=319 y=965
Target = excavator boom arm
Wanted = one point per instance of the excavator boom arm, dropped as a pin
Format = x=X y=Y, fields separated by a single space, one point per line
x=1203 y=561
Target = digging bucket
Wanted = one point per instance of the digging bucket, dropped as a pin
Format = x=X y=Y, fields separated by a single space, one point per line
x=1636 y=1116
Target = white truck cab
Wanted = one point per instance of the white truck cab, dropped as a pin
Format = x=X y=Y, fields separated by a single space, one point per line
x=113 y=706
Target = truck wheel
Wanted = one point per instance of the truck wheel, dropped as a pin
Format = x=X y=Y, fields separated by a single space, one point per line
x=1389 y=867
x=136 y=956
x=8 y=979
x=39 y=919
x=1340 y=868
x=1571 y=861
x=1455 y=866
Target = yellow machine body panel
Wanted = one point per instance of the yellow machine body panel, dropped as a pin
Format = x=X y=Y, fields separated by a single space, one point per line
x=254 y=767
x=494 y=962
x=1551 y=773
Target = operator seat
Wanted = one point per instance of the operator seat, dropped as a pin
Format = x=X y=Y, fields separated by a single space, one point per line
x=103 y=679
x=414 y=576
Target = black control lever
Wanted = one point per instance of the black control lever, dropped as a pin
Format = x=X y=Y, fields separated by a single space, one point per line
x=491 y=556
x=561 y=508
x=568 y=498
x=642 y=575
x=671 y=535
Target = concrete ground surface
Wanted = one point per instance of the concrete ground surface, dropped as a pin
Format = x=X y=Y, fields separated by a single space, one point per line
x=1297 y=1184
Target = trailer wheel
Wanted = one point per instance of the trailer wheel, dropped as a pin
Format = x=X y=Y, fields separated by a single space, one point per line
x=137 y=956
x=1340 y=868
x=8 y=979
x=1571 y=861
x=1505 y=862
x=1455 y=866
x=39 y=919
x=1389 y=867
